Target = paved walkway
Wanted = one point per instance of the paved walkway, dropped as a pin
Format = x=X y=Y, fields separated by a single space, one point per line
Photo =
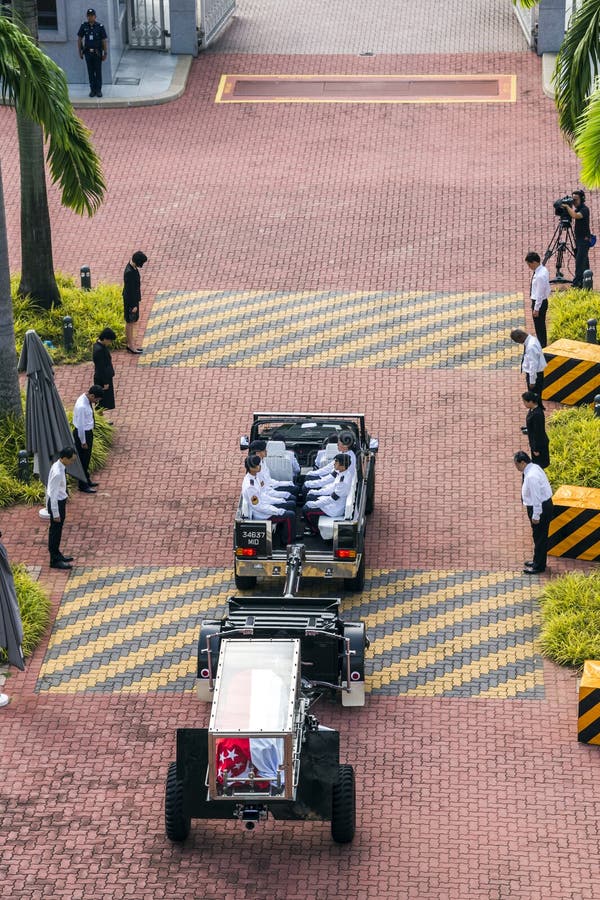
x=312 y=257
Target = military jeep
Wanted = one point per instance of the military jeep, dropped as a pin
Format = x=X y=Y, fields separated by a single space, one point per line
x=293 y=442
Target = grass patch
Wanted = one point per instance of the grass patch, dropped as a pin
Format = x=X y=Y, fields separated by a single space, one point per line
x=569 y=312
x=34 y=605
x=91 y=311
x=574 y=447
x=12 y=439
x=571 y=619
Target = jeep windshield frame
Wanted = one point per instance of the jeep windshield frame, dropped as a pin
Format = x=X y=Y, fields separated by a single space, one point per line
x=296 y=426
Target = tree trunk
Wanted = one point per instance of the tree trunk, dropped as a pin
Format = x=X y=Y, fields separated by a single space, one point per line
x=37 y=267
x=10 y=396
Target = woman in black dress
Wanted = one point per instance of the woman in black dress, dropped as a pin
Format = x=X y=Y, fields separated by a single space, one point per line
x=535 y=426
x=103 y=367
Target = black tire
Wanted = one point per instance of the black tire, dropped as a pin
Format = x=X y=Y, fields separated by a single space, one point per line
x=356 y=584
x=370 y=501
x=343 y=809
x=177 y=825
x=245 y=582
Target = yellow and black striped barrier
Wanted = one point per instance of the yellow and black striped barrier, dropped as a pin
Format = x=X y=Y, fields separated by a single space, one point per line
x=575 y=527
x=588 y=721
x=572 y=375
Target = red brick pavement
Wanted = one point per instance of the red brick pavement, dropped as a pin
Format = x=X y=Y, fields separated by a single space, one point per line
x=458 y=799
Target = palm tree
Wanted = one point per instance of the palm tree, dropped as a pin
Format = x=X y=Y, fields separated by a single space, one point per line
x=577 y=88
x=37 y=266
x=37 y=88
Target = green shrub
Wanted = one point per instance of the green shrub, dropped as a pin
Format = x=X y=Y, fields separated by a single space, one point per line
x=34 y=605
x=571 y=619
x=91 y=311
x=12 y=439
x=574 y=447
x=569 y=312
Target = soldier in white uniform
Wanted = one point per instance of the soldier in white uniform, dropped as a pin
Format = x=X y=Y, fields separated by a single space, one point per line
x=260 y=503
x=285 y=489
x=331 y=499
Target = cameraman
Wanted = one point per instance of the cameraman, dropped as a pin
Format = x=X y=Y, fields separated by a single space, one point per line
x=580 y=212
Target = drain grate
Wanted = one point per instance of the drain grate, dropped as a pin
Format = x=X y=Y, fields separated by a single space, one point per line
x=367 y=89
x=133 y=81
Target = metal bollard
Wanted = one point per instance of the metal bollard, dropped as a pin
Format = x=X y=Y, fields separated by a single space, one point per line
x=67 y=333
x=591 y=334
x=587 y=282
x=24 y=473
x=597 y=405
x=86 y=278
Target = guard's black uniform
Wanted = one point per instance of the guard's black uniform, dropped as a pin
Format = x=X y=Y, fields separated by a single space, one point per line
x=538 y=439
x=582 y=244
x=92 y=37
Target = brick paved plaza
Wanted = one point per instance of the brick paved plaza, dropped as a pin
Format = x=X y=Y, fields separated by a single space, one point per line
x=319 y=257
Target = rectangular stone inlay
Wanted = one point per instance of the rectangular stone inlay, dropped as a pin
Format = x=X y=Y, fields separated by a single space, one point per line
x=366 y=89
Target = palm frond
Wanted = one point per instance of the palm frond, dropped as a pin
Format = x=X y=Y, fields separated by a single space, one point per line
x=32 y=83
x=587 y=141
x=577 y=63
x=526 y=4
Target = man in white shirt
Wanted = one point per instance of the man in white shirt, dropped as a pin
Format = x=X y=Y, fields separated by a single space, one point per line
x=83 y=433
x=261 y=505
x=536 y=493
x=540 y=292
x=56 y=494
x=533 y=362
x=331 y=499
x=285 y=489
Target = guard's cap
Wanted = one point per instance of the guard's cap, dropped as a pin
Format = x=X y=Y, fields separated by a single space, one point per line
x=91 y=12
x=257 y=446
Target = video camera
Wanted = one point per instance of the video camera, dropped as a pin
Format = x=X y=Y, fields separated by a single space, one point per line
x=559 y=206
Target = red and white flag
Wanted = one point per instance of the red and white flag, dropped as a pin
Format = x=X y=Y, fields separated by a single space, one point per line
x=242 y=757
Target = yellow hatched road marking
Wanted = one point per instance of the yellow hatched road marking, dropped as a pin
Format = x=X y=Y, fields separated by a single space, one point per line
x=402 y=637
x=446 y=592
x=166 y=300
x=490 y=358
x=83 y=578
x=161 y=679
x=84 y=601
x=514 y=686
x=268 y=319
x=123 y=665
x=127 y=631
x=424 y=339
x=248 y=343
x=384 y=590
x=459 y=676
x=318 y=300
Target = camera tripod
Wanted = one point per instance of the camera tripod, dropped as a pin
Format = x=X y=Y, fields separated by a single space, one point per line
x=562 y=242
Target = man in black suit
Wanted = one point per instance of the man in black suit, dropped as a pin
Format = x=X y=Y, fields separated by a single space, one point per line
x=535 y=429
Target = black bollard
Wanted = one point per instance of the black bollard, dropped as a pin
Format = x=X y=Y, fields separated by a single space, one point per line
x=86 y=278
x=597 y=405
x=587 y=282
x=591 y=334
x=67 y=333
x=23 y=466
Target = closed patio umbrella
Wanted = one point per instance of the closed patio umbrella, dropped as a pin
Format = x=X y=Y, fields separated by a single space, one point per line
x=46 y=425
x=11 y=628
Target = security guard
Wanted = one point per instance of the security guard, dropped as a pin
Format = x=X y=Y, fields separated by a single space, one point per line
x=92 y=41
x=286 y=488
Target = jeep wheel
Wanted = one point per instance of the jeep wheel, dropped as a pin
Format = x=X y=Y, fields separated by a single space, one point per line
x=356 y=584
x=177 y=826
x=245 y=582
x=343 y=811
